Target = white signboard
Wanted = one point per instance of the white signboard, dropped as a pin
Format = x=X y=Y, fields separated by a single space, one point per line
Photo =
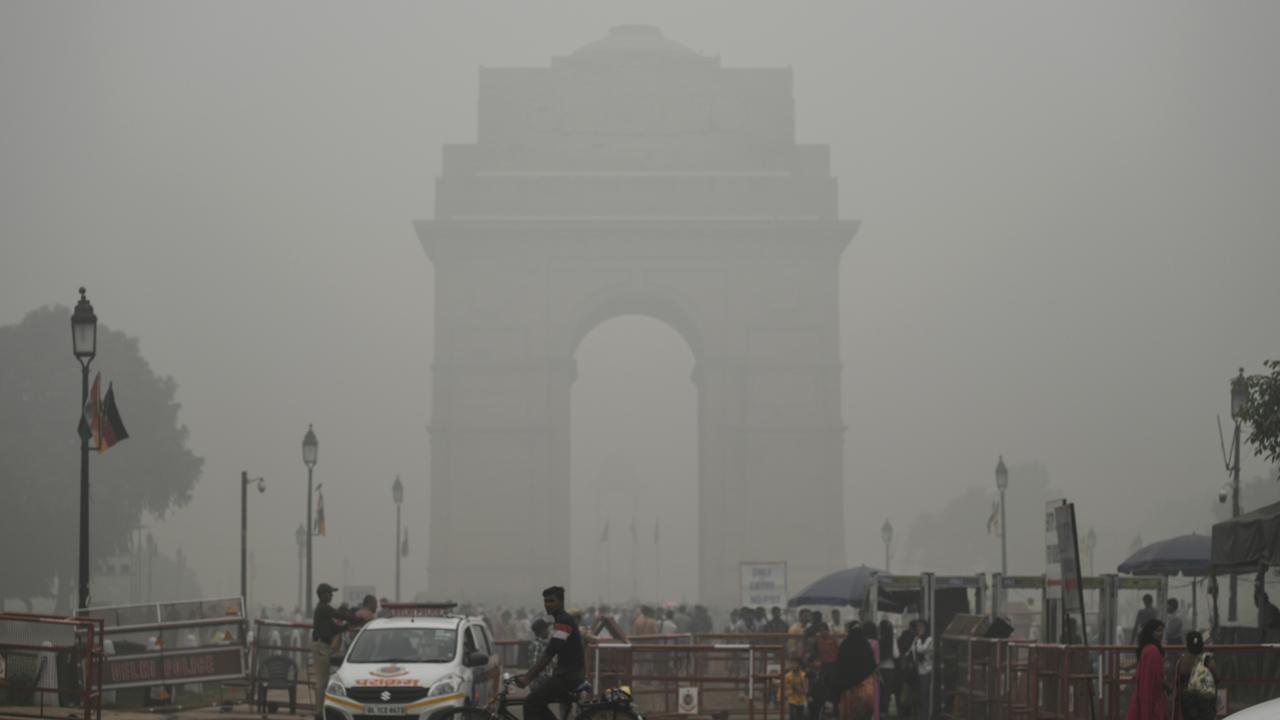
x=764 y=584
x=1052 y=566
x=688 y=700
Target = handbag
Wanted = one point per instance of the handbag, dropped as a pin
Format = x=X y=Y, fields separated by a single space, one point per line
x=1201 y=683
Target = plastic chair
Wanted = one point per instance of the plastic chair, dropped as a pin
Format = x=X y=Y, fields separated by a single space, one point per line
x=277 y=672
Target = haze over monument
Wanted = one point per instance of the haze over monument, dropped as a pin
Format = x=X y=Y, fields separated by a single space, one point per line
x=1067 y=247
x=635 y=176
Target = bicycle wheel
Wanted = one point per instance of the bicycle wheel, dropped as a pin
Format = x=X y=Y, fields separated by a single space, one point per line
x=464 y=713
x=607 y=712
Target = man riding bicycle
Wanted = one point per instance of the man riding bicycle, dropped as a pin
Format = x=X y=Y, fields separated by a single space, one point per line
x=565 y=647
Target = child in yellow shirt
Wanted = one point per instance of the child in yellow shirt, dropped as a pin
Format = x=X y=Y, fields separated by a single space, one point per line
x=795 y=690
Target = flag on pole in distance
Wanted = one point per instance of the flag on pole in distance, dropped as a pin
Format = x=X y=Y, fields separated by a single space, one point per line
x=110 y=427
x=91 y=414
x=404 y=544
x=320 y=527
x=993 y=522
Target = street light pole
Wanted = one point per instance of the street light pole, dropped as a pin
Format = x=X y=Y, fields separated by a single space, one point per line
x=886 y=534
x=84 y=344
x=244 y=533
x=1002 y=482
x=1239 y=397
x=151 y=563
x=397 y=494
x=309 y=450
x=1090 y=542
x=301 y=537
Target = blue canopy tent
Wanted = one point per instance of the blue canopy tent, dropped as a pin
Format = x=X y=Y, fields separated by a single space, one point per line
x=843 y=587
x=851 y=587
x=1187 y=555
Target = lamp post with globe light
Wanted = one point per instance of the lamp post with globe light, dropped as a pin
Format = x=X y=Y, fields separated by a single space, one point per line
x=301 y=537
x=244 y=532
x=397 y=494
x=84 y=345
x=886 y=534
x=1002 y=483
x=309 y=449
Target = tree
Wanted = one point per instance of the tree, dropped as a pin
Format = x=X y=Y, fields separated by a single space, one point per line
x=1262 y=412
x=150 y=472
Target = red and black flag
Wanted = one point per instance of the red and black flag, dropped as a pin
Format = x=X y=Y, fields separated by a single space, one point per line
x=110 y=426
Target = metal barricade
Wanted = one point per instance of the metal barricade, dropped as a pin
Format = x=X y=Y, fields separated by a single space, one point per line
x=175 y=646
x=283 y=638
x=514 y=655
x=38 y=654
x=669 y=679
x=1008 y=679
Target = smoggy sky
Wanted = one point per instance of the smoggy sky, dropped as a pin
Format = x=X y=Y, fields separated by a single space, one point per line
x=1069 y=243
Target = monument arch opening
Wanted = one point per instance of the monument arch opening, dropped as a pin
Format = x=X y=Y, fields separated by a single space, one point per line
x=634 y=463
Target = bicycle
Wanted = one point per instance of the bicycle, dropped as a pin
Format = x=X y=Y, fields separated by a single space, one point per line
x=613 y=704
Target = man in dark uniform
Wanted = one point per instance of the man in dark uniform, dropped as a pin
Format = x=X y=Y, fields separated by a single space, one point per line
x=565 y=647
x=326 y=625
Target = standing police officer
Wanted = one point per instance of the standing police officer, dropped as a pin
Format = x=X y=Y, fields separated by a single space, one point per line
x=326 y=625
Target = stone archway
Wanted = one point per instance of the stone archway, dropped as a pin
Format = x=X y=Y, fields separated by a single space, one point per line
x=635 y=176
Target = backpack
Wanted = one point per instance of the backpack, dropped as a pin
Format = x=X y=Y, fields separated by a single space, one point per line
x=828 y=652
x=1201 y=682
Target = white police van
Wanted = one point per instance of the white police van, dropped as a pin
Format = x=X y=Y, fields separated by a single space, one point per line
x=414 y=664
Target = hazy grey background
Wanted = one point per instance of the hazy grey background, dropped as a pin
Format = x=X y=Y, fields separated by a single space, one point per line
x=1069 y=243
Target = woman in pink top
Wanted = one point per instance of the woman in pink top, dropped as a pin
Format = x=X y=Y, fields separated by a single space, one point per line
x=1149 y=700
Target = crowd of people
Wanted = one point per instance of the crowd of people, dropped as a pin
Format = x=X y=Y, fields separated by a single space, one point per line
x=863 y=670
x=835 y=670
x=855 y=670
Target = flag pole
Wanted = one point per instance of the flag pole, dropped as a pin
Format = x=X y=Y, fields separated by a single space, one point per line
x=657 y=560
x=595 y=552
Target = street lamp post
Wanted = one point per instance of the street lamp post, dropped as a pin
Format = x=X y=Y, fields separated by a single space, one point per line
x=244 y=533
x=397 y=494
x=1002 y=482
x=1239 y=397
x=301 y=536
x=151 y=563
x=1090 y=542
x=886 y=534
x=309 y=448
x=84 y=344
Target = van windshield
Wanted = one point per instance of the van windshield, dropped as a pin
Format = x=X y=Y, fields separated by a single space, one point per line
x=404 y=645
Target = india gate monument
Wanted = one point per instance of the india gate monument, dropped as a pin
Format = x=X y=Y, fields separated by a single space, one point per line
x=635 y=177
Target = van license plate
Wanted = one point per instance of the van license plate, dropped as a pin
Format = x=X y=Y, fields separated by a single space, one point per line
x=384 y=709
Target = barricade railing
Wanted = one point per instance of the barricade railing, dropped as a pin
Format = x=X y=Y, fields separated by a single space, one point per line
x=289 y=639
x=172 y=646
x=731 y=680
x=1006 y=679
x=39 y=653
x=514 y=655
